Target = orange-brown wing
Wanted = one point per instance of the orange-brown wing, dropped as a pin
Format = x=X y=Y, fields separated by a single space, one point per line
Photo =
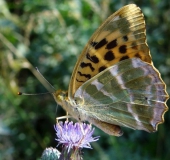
x=121 y=36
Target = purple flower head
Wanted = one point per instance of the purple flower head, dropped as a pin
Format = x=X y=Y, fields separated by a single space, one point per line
x=78 y=135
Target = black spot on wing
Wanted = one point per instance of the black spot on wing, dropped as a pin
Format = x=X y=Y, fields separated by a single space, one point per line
x=84 y=75
x=101 y=43
x=138 y=55
x=83 y=65
x=79 y=81
x=112 y=44
x=125 y=38
x=109 y=56
x=102 y=68
x=123 y=58
x=93 y=59
x=93 y=43
x=122 y=49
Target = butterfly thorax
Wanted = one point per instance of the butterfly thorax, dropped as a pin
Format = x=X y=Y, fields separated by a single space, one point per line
x=68 y=104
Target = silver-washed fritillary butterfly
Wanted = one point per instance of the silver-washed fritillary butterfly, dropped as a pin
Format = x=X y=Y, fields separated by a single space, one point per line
x=114 y=82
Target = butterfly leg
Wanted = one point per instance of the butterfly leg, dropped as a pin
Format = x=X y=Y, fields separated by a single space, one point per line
x=63 y=117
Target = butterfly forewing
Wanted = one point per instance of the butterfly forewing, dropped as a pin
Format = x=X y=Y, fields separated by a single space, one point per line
x=120 y=37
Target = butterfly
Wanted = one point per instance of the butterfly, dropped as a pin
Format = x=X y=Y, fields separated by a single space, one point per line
x=114 y=82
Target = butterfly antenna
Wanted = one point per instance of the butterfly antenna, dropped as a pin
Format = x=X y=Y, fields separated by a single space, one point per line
x=33 y=94
x=50 y=87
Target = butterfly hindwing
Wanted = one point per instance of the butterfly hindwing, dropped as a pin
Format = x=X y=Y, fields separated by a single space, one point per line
x=130 y=93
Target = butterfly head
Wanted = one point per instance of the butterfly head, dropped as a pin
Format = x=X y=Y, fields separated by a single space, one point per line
x=60 y=96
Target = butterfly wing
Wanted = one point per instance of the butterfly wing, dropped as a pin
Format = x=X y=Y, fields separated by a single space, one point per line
x=120 y=37
x=131 y=93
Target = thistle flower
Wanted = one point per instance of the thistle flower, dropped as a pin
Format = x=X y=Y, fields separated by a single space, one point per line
x=73 y=138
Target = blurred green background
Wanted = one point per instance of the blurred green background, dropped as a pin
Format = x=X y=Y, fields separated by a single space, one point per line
x=50 y=35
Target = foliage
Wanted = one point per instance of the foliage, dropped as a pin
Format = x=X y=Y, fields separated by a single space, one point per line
x=51 y=35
